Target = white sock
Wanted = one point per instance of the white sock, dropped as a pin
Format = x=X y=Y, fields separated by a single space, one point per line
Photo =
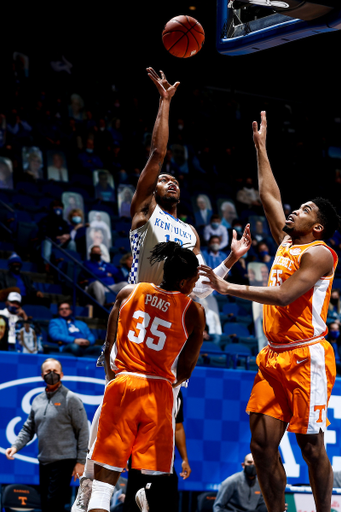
x=101 y=496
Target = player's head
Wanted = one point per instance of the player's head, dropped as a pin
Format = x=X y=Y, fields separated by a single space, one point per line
x=318 y=217
x=167 y=191
x=180 y=271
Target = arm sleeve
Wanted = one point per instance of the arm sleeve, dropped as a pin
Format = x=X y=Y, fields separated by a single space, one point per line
x=223 y=496
x=26 y=433
x=203 y=290
x=80 y=426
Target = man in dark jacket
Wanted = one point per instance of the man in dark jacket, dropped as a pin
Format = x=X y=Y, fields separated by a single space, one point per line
x=241 y=492
x=109 y=276
x=59 y=419
x=54 y=227
x=15 y=278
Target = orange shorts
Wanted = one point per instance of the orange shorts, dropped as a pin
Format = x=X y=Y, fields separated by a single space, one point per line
x=137 y=420
x=294 y=385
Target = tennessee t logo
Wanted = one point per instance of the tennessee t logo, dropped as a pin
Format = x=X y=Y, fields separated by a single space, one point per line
x=319 y=408
x=23 y=499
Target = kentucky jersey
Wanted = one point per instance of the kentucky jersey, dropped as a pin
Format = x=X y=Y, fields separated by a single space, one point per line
x=161 y=227
x=151 y=332
x=305 y=318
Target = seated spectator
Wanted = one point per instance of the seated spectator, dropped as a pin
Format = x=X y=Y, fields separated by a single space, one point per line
x=55 y=227
x=76 y=108
x=15 y=278
x=95 y=236
x=264 y=254
x=215 y=228
x=77 y=232
x=125 y=264
x=204 y=210
x=103 y=189
x=73 y=336
x=334 y=308
x=3 y=333
x=109 y=275
x=57 y=170
x=13 y=312
x=229 y=213
x=213 y=256
x=88 y=158
x=334 y=339
x=248 y=195
x=125 y=196
x=33 y=163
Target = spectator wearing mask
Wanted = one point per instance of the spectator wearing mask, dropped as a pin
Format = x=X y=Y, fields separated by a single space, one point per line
x=72 y=336
x=110 y=276
x=335 y=341
x=77 y=231
x=125 y=265
x=241 y=491
x=248 y=196
x=13 y=312
x=264 y=255
x=55 y=227
x=215 y=228
x=14 y=278
x=213 y=256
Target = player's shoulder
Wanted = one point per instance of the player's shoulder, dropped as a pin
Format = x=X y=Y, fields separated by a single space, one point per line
x=196 y=310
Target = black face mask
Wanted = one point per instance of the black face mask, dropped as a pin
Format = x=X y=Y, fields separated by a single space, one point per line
x=250 y=471
x=95 y=257
x=52 y=378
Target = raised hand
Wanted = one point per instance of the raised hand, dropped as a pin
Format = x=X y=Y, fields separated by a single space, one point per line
x=166 y=90
x=240 y=247
x=259 y=136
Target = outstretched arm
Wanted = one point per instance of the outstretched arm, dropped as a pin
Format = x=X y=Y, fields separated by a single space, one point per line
x=315 y=263
x=141 y=205
x=268 y=189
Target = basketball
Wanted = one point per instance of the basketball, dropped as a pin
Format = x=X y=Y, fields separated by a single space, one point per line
x=183 y=36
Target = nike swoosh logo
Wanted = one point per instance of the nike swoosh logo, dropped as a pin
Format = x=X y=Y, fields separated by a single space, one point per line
x=302 y=360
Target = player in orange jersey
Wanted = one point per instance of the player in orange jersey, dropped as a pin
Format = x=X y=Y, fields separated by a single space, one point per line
x=297 y=368
x=153 y=343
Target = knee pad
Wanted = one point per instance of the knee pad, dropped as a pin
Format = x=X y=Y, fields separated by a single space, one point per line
x=100 y=496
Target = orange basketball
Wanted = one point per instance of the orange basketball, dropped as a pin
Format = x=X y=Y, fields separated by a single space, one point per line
x=183 y=36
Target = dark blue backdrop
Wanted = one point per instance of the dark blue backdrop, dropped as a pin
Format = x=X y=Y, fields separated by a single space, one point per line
x=217 y=427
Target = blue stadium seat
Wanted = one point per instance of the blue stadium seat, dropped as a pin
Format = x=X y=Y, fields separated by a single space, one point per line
x=24 y=202
x=230 y=308
x=239 y=351
x=212 y=355
x=122 y=243
x=38 y=312
x=237 y=329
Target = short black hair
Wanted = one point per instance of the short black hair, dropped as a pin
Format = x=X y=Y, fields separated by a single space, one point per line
x=327 y=216
x=180 y=262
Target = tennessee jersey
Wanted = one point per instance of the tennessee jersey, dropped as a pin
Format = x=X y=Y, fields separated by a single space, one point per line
x=161 y=227
x=305 y=319
x=151 y=332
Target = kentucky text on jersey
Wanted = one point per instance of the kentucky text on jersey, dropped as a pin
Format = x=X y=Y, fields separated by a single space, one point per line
x=167 y=226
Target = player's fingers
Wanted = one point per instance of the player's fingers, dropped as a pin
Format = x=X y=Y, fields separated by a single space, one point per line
x=176 y=85
x=255 y=126
x=234 y=234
